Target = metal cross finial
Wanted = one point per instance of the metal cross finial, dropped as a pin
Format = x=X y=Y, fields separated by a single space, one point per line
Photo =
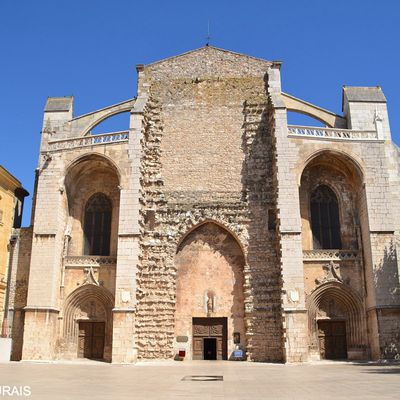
x=208 y=34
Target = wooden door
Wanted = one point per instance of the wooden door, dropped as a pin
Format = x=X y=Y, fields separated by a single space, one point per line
x=98 y=340
x=91 y=340
x=332 y=339
x=206 y=328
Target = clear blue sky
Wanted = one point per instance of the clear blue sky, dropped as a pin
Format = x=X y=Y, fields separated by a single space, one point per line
x=89 y=49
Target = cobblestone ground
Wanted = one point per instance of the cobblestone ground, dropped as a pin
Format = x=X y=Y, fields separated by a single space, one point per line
x=89 y=380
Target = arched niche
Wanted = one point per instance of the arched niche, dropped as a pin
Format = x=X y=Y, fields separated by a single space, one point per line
x=209 y=285
x=342 y=176
x=85 y=177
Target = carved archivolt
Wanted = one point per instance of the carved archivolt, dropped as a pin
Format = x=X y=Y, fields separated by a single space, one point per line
x=334 y=300
x=89 y=302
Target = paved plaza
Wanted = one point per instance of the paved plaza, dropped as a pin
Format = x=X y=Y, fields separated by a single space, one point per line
x=203 y=380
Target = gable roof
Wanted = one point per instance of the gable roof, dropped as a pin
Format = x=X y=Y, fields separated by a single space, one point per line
x=205 y=62
x=208 y=48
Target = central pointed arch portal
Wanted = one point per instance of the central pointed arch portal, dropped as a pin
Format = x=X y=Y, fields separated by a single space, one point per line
x=209 y=317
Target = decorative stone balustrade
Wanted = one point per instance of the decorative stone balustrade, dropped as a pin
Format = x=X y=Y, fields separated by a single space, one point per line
x=330 y=133
x=90 y=140
x=89 y=261
x=330 y=255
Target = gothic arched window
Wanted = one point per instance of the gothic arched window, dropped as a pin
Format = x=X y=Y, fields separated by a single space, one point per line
x=97 y=225
x=325 y=224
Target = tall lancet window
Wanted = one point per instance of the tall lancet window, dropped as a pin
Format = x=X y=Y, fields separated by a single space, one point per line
x=325 y=223
x=97 y=225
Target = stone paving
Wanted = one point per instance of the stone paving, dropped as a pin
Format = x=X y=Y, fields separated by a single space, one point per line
x=165 y=380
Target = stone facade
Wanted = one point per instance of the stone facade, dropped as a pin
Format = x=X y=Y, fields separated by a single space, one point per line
x=212 y=233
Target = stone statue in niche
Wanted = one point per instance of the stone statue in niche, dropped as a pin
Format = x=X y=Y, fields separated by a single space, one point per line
x=210 y=302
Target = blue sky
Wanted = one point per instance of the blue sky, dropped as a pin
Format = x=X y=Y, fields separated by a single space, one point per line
x=89 y=49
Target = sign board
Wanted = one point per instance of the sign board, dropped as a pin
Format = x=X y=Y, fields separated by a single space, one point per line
x=238 y=353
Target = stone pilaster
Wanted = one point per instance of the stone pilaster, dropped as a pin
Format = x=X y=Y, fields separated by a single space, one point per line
x=289 y=230
x=42 y=307
x=124 y=332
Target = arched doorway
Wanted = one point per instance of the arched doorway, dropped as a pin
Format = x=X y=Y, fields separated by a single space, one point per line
x=87 y=321
x=209 y=318
x=336 y=322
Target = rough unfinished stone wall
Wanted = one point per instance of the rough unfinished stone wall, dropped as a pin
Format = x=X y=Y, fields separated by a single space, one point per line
x=264 y=281
x=207 y=156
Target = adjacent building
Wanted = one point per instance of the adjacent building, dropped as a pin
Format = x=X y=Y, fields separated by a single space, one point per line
x=211 y=225
x=12 y=196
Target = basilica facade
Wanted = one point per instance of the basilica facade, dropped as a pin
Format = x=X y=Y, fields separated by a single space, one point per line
x=212 y=229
